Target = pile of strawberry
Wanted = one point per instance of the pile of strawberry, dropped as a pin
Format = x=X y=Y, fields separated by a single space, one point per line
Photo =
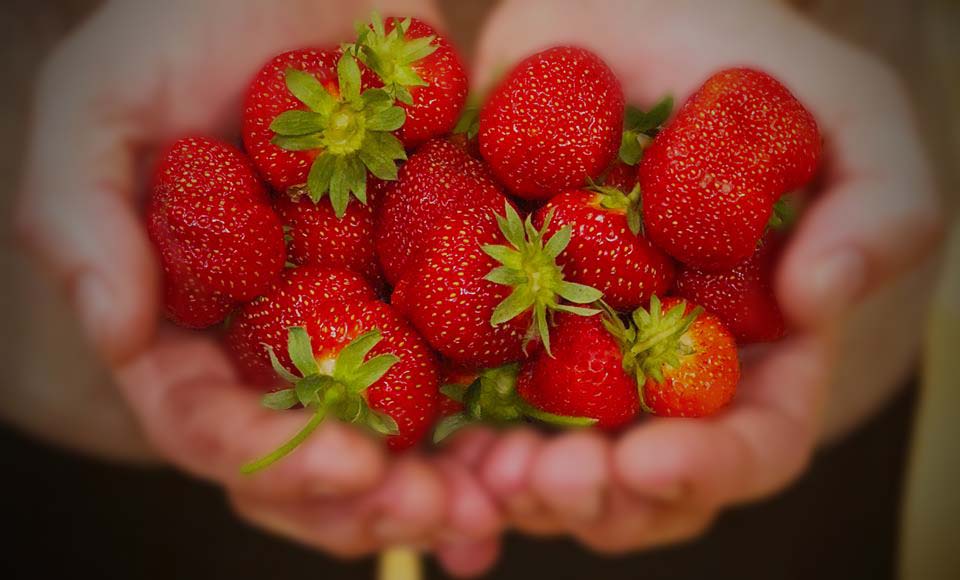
x=388 y=256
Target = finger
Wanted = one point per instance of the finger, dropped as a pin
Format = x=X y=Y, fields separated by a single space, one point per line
x=506 y=469
x=752 y=450
x=410 y=504
x=337 y=527
x=469 y=559
x=472 y=513
x=193 y=410
x=470 y=446
x=570 y=475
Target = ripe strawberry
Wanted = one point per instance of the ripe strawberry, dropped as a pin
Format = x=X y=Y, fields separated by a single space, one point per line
x=585 y=377
x=682 y=359
x=311 y=120
x=218 y=240
x=552 y=123
x=742 y=297
x=317 y=236
x=457 y=291
x=711 y=177
x=420 y=69
x=438 y=179
x=292 y=300
x=361 y=363
x=606 y=249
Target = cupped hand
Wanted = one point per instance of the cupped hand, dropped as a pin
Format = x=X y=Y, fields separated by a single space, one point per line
x=134 y=77
x=873 y=215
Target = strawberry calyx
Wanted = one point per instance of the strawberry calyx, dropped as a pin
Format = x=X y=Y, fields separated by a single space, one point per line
x=392 y=55
x=351 y=132
x=652 y=340
x=639 y=128
x=492 y=399
x=615 y=199
x=328 y=386
x=784 y=215
x=528 y=264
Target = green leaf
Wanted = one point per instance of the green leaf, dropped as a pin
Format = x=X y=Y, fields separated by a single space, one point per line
x=558 y=242
x=348 y=78
x=349 y=175
x=308 y=90
x=308 y=389
x=453 y=391
x=280 y=400
x=278 y=368
x=301 y=352
x=297 y=122
x=416 y=49
x=352 y=355
x=630 y=149
x=659 y=114
x=519 y=301
x=579 y=293
x=512 y=226
x=450 y=425
x=299 y=142
x=468 y=123
x=542 y=327
x=503 y=254
x=387 y=120
x=376 y=100
x=382 y=423
x=402 y=94
x=505 y=276
x=373 y=370
x=318 y=180
x=578 y=310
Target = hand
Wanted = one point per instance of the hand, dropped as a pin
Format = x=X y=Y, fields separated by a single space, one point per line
x=874 y=216
x=132 y=78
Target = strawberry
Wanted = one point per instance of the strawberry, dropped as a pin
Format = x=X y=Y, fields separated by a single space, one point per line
x=311 y=120
x=438 y=179
x=292 y=300
x=483 y=285
x=361 y=363
x=742 y=297
x=683 y=357
x=585 y=377
x=606 y=249
x=680 y=359
x=316 y=235
x=552 y=123
x=218 y=240
x=711 y=177
x=420 y=69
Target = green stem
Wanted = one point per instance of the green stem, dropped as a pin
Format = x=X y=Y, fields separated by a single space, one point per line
x=552 y=419
x=286 y=448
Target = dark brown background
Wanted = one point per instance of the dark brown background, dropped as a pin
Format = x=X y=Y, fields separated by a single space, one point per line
x=68 y=514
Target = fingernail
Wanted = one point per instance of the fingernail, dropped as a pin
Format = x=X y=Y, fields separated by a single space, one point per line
x=838 y=280
x=92 y=300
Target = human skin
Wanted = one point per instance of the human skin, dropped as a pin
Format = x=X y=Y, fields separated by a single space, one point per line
x=129 y=80
x=872 y=216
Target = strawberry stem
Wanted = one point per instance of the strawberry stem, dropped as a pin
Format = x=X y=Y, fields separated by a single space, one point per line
x=285 y=449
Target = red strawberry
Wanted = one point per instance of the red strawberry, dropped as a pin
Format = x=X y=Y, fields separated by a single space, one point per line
x=621 y=176
x=361 y=363
x=711 y=177
x=292 y=300
x=218 y=239
x=553 y=122
x=682 y=359
x=742 y=297
x=606 y=250
x=317 y=236
x=585 y=377
x=439 y=178
x=419 y=68
x=457 y=291
x=311 y=120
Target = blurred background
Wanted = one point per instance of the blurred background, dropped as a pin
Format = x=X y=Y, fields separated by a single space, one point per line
x=844 y=519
